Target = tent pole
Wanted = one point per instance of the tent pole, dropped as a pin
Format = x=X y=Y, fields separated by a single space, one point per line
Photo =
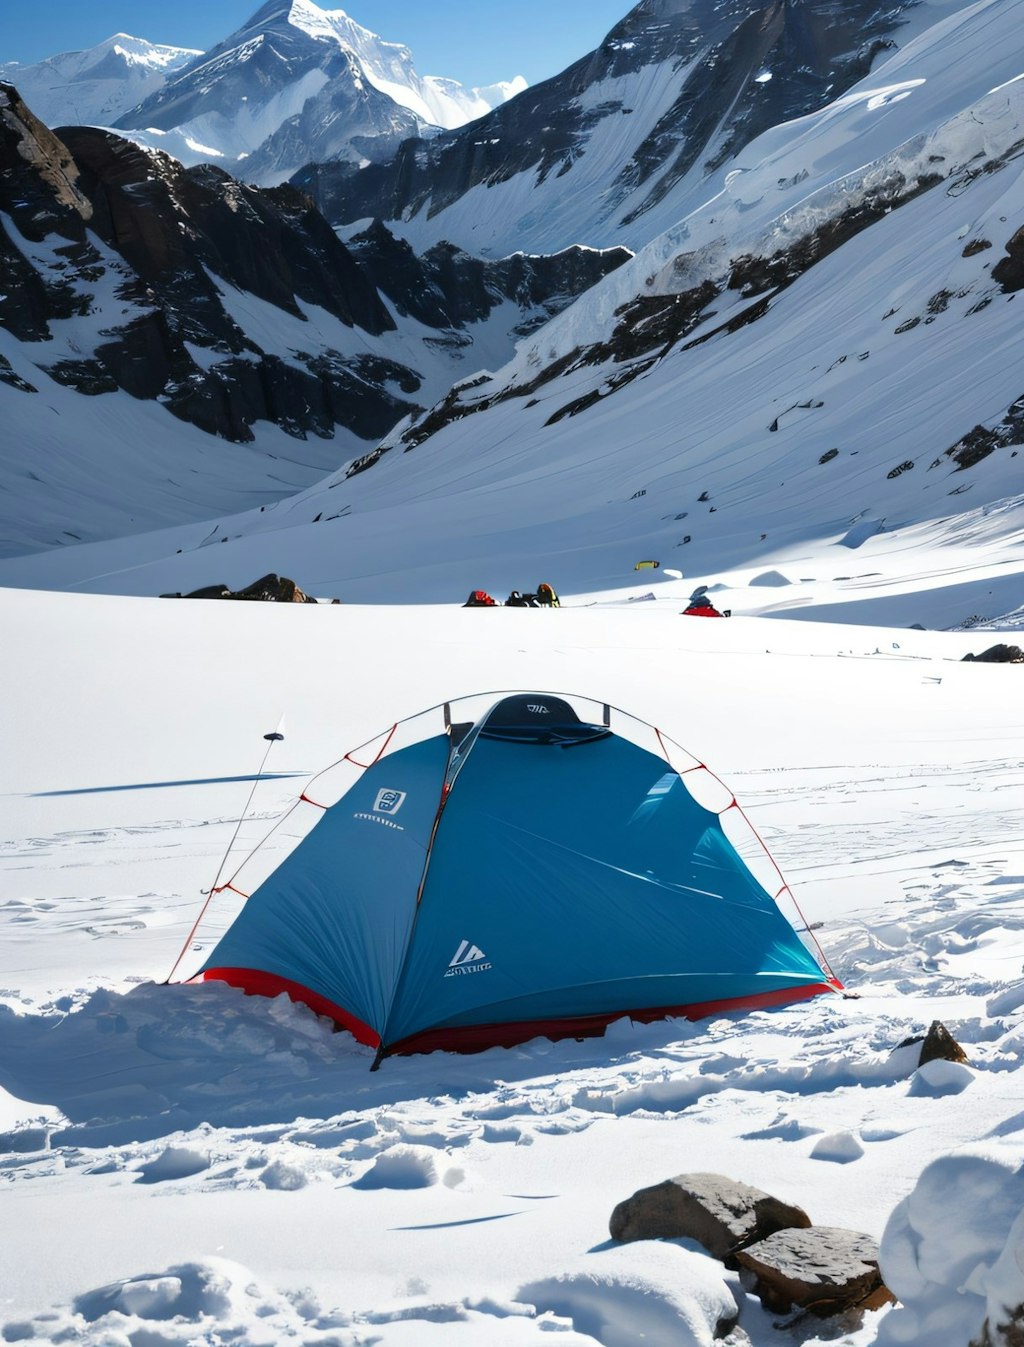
x=273 y=738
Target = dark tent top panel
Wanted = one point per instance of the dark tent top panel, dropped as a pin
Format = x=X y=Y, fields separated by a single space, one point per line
x=538 y=719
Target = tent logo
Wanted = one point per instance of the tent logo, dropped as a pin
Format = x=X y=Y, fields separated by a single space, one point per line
x=467 y=959
x=537 y=708
x=389 y=801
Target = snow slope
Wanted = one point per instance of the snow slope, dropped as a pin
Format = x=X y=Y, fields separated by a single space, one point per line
x=814 y=414
x=616 y=177
x=185 y=1164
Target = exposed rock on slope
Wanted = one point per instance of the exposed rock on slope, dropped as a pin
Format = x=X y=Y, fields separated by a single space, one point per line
x=449 y=288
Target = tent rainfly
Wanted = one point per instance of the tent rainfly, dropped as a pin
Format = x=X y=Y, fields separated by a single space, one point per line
x=530 y=871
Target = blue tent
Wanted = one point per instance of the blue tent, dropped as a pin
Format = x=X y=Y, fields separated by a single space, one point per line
x=531 y=872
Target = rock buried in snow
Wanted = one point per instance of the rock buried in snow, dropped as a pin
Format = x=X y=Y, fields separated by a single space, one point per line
x=712 y=1209
x=938 y=1044
x=823 y=1270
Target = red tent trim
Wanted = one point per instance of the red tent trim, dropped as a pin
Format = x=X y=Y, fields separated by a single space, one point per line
x=479 y=1037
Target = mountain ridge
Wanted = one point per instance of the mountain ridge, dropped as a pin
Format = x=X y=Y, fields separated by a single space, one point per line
x=609 y=151
x=818 y=359
x=129 y=280
x=96 y=85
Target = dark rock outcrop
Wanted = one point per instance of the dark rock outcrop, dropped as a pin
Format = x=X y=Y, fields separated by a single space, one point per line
x=39 y=191
x=823 y=1270
x=448 y=288
x=1009 y=270
x=272 y=243
x=182 y=236
x=1007 y=1331
x=999 y=654
x=981 y=441
x=268 y=589
x=716 y=1211
x=8 y=376
x=938 y=1044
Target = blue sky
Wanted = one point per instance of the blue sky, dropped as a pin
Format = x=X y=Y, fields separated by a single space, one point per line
x=473 y=41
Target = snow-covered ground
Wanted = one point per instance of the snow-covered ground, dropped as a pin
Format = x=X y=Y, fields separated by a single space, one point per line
x=183 y=1164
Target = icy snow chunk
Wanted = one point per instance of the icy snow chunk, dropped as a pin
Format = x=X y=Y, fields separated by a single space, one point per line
x=1004 y=1284
x=283 y=1177
x=25 y=1140
x=861 y=532
x=941 y=1077
x=153 y=1298
x=191 y=1290
x=770 y=580
x=1006 y=1001
x=175 y=1162
x=645 y=1292
x=401 y=1167
x=949 y=1249
x=502 y=1132
x=841 y=1147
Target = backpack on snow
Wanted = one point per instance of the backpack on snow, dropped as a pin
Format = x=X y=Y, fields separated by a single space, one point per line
x=547 y=597
x=479 y=598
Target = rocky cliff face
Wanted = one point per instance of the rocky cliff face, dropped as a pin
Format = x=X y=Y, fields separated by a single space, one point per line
x=673 y=92
x=176 y=240
x=447 y=288
x=236 y=308
x=40 y=192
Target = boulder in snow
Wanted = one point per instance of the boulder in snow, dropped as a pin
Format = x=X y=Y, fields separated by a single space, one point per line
x=823 y=1270
x=998 y=654
x=716 y=1211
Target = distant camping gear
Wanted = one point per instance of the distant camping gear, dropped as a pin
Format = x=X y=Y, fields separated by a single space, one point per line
x=701 y=606
x=479 y=598
x=647 y=565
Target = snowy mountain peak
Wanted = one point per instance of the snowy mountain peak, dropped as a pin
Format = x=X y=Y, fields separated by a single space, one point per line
x=152 y=55
x=99 y=84
x=297 y=84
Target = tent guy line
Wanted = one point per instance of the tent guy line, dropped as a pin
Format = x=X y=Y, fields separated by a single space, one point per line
x=167 y=785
